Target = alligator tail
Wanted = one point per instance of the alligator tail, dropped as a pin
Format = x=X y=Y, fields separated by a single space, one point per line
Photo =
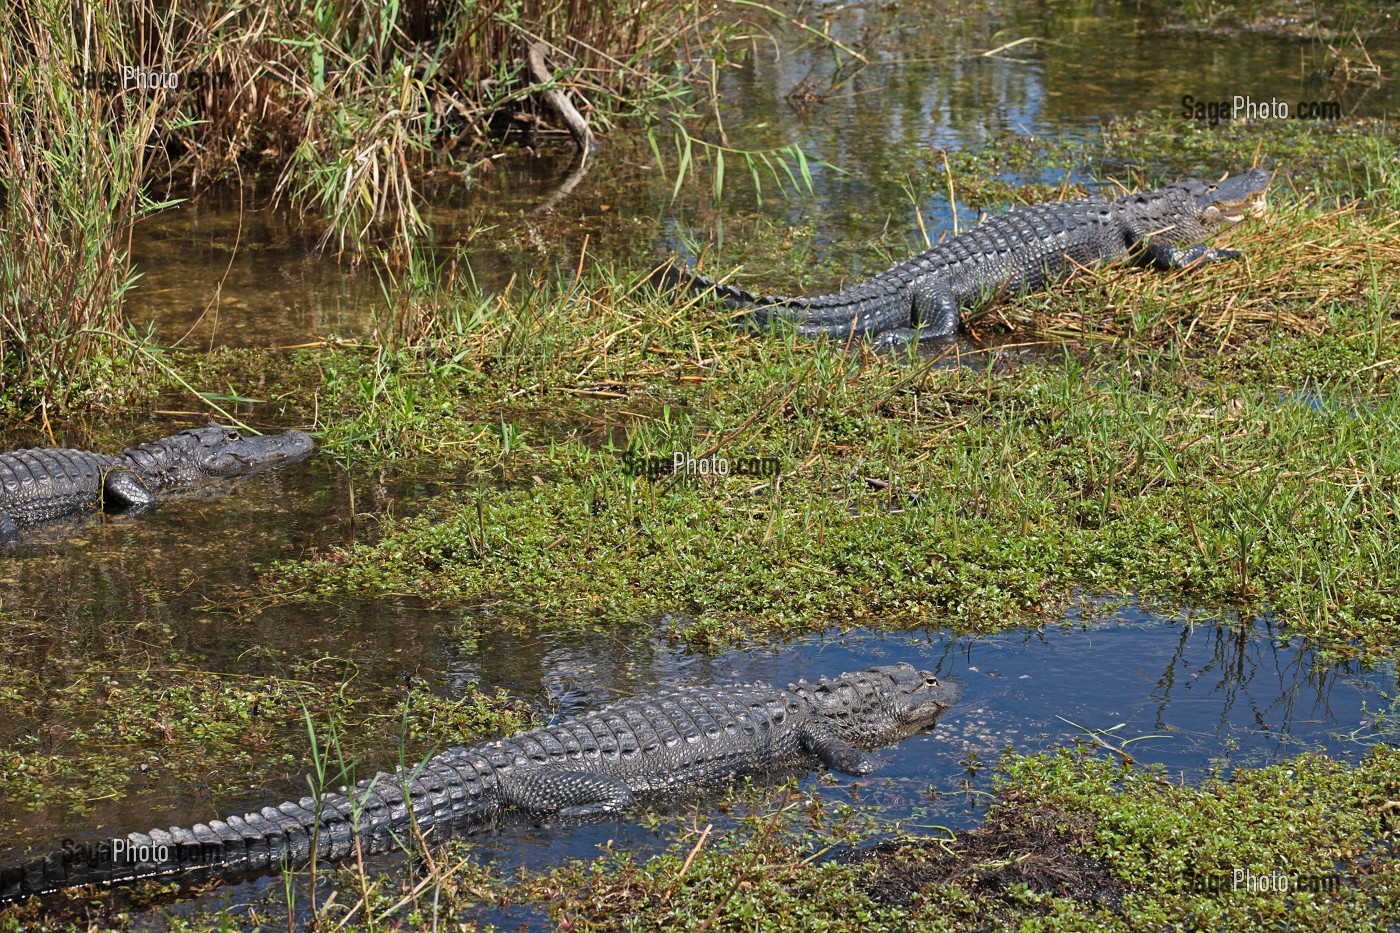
x=761 y=310
x=868 y=307
x=376 y=817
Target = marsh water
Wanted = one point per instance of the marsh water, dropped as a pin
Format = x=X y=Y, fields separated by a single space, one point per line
x=218 y=271
x=1201 y=694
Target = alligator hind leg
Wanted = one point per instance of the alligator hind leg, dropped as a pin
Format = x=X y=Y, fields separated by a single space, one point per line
x=935 y=312
x=8 y=527
x=124 y=491
x=570 y=794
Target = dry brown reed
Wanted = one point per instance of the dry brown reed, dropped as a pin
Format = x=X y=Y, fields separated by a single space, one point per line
x=1296 y=264
x=73 y=164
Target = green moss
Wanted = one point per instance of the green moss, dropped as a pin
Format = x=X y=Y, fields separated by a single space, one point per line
x=1074 y=841
x=1012 y=491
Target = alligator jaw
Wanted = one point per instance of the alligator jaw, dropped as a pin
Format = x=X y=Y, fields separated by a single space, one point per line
x=1232 y=199
x=235 y=455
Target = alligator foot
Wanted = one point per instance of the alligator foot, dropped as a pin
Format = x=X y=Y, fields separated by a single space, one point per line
x=1167 y=256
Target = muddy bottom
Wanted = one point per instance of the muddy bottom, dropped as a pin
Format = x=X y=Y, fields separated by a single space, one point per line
x=1038 y=849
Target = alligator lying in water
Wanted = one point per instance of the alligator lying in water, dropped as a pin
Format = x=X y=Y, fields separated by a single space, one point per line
x=1022 y=250
x=598 y=763
x=46 y=484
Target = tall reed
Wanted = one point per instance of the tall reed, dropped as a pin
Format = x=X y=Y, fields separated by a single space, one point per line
x=73 y=162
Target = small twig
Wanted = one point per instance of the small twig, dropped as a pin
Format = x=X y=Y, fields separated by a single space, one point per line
x=685 y=866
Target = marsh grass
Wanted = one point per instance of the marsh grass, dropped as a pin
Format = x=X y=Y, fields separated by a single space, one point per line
x=75 y=167
x=1234 y=453
x=1299 y=264
x=348 y=103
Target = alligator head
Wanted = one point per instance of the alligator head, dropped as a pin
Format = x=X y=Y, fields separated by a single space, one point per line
x=214 y=451
x=880 y=705
x=1191 y=210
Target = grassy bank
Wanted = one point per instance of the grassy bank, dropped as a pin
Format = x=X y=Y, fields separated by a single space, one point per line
x=1235 y=452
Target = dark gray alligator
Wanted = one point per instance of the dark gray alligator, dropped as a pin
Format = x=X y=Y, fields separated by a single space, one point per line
x=1022 y=250
x=46 y=484
x=646 y=748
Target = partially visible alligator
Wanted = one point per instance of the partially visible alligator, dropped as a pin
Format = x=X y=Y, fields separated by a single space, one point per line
x=598 y=763
x=1022 y=250
x=45 y=484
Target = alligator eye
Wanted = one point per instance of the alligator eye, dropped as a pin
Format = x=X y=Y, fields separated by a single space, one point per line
x=232 y=436
x=930 y=681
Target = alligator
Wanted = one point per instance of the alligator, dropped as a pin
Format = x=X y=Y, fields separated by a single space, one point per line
x=45 y=484
x=1023 y=250
x=590 y=766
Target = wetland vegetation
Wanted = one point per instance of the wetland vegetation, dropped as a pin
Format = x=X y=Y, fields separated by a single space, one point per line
x=1220 y=442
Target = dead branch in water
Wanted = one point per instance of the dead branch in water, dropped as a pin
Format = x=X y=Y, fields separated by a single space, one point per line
x=577 y=125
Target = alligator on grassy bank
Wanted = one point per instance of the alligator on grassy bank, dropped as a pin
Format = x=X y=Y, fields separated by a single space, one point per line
x=47 y=484
x=1020 y=251
x=645 y=748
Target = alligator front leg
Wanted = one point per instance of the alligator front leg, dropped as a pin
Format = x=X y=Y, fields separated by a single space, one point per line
x=124 y=491
x=838 y=755
x=569 y=794
x=1168 y=256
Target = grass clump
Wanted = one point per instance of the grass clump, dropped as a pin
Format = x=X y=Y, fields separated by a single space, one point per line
x=75 y=167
